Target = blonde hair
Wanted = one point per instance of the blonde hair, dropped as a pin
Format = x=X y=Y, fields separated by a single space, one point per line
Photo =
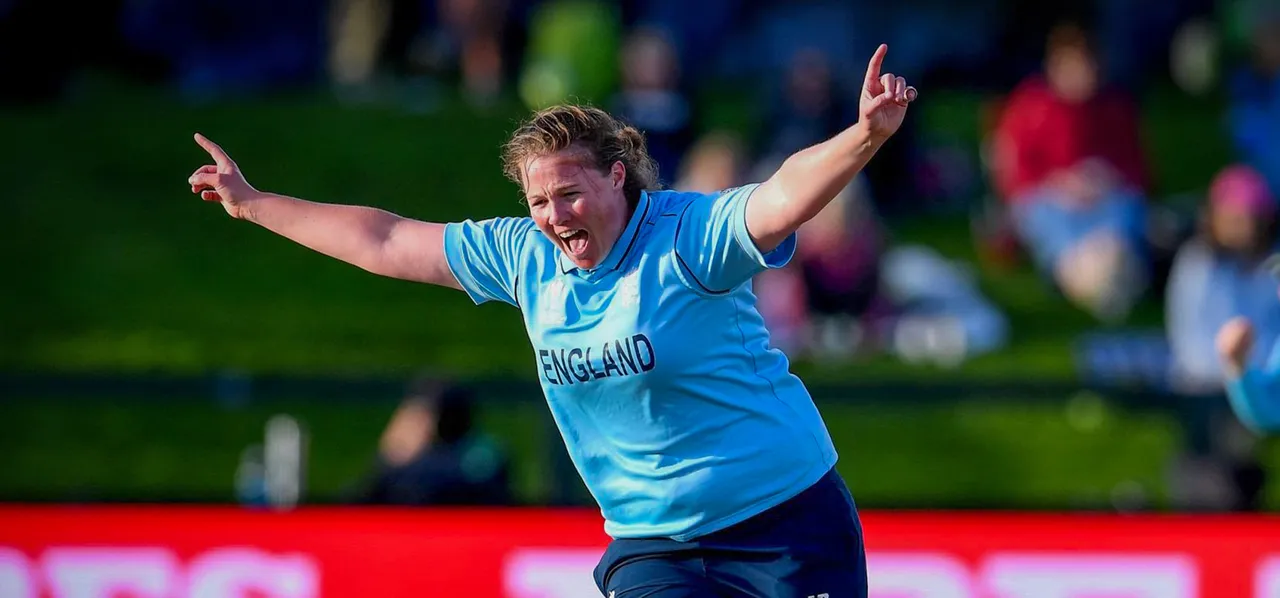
x=604 y=137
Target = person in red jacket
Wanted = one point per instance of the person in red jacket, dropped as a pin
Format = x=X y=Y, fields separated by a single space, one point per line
x=1069 y=162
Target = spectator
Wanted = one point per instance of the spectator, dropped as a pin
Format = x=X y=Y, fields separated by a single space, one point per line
x=716 y=162
x=255 y=47
x=809 y=110
x=1219 y=275
x=651 y=99
x=1069 y=162
x=431 y=454
x=474 y=30
x=823 y=302
x=555 y=67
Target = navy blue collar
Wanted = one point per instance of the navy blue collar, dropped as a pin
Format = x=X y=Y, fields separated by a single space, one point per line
x=622 y=247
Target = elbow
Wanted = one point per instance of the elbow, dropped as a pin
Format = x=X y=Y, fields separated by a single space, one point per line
x=775 y=210
x=1258 y=426
x=1261 y=419
x=1264 y=424
x=378 y=261
x=378 y=252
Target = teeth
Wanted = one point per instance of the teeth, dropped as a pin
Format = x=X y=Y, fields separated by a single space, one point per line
x=567 y=234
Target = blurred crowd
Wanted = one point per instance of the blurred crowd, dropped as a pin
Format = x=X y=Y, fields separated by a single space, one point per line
x=1063 y=168
x=1063 y=162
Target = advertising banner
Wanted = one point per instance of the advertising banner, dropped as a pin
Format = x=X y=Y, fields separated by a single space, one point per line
x=199 y=552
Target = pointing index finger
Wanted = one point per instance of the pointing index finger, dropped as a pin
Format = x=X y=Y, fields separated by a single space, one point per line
x=220 y=157
x=873 y=69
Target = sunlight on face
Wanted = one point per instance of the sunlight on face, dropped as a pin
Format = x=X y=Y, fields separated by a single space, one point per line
x=1235 y=229
x=581 y=209
x=1073 y=74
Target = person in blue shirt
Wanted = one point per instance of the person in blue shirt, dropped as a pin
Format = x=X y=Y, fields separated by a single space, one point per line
x=712 y=467
x=1222 y=273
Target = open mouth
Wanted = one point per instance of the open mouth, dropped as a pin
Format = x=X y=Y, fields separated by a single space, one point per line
x=575 y=241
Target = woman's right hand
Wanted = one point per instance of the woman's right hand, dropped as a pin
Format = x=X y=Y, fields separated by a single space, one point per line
x=222 y=181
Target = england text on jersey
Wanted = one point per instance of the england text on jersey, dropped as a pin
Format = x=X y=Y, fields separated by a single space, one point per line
x=578 y=365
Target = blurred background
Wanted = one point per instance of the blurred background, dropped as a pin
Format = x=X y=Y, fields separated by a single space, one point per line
x=1014 y=308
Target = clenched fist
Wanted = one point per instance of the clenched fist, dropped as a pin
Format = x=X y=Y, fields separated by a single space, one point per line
x=1235 y=343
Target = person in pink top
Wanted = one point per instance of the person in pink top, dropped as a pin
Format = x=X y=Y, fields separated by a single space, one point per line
x=1068 y=161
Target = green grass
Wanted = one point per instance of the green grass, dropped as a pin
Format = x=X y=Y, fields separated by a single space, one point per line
x=990 y=452
x=121 y=268
x=118 y=267
x=189 y=449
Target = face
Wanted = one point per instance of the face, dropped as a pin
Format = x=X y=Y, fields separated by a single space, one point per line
x=1234 y=229
x=410 y=430
x=581 y=209
x=649 y=63
x=712 y=167
x=1073 y=74
x=810 y=82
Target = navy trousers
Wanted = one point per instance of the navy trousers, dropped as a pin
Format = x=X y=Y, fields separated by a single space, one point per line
x=807 y=547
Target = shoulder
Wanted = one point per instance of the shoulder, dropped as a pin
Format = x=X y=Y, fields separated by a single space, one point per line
x=505 y=229
x=517 y=225
x=510 y=238
x=670 y=202
x=678 y=202
x=1195 y=249
x=1195 y=257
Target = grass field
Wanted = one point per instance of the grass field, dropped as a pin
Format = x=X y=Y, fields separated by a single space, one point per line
x=993 y=452
x=120 y=268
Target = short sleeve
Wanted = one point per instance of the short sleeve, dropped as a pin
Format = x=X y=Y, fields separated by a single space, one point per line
x=1255 y=396
x=713 y=246
x=485 y=256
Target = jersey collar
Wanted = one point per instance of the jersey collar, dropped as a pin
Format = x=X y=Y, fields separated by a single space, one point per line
x=620 y=249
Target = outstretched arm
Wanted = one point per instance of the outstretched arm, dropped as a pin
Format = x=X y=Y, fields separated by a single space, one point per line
x=809 y=179
x=369 y=238
x=1254 y=394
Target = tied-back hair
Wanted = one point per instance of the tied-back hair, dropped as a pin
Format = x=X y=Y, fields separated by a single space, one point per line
x=604 y=137
x=449 y=401
x=1070 y=35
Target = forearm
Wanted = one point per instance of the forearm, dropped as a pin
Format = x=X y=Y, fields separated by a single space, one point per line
x=1255 y=397
x=369 y=238
x=353 y=234
x=805 y=183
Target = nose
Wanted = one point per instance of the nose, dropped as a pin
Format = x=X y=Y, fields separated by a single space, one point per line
x=559 y=215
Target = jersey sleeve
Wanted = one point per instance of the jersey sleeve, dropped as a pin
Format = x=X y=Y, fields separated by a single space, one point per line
x=713 y=246
x=1255 y=395
x=485 y=256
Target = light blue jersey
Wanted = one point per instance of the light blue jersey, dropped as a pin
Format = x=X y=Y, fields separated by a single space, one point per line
x=1255 y=396
x=656 y=364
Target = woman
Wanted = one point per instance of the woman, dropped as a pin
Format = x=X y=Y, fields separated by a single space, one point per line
x=1068 y=160
x=1220 y=274
x=711 y=465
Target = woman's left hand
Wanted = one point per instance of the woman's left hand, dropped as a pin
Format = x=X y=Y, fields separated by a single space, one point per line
x=884 y=99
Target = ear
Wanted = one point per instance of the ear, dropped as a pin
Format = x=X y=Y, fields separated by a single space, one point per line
x=618 y=175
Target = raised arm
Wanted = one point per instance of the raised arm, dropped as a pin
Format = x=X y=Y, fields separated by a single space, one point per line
x=1254 y=393
x=809 y=179
x=369 y=238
